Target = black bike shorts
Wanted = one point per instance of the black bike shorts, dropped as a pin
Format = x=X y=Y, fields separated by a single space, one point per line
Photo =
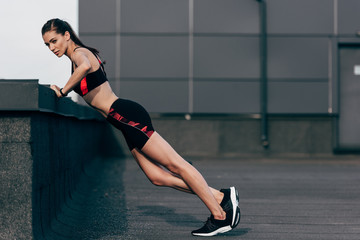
x=133 y=121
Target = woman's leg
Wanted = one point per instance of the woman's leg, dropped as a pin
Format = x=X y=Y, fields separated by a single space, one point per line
x=165 y=167
x=160 y=176
x=161 y=152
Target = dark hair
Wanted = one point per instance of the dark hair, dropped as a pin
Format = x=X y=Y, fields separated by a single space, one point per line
x=61 y=26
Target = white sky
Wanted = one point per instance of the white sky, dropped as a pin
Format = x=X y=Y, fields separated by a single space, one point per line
x=23 y=54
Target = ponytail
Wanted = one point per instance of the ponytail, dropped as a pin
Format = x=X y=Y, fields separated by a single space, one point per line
x=61 y=27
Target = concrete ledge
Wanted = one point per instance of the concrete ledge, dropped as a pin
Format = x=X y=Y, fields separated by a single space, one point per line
x=28 y=95
x=45 y=145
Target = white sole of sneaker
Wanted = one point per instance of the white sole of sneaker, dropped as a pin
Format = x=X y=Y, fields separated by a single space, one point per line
x=220 y=230
x=237 y=219
x=235 y=201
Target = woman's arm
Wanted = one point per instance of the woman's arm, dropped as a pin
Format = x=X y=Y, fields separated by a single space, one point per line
x=83 y=67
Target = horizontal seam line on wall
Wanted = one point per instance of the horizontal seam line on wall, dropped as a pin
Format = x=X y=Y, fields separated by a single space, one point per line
x=288 y=80
x=213 y=34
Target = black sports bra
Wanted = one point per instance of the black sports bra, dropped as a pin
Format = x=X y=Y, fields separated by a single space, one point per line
x=91 y=80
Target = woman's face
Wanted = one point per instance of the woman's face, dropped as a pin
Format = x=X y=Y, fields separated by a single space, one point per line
x=56 y=42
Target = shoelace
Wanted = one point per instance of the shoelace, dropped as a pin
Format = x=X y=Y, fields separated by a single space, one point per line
x=227 y=206
x=209 y=223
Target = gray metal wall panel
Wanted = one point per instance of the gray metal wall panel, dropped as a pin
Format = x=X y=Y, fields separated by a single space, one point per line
x=300 y=16
x=226 y=97
x=154 y=57
x=157 y=96
x=97 y=16
x=226 y=16
x=225 y=47
x=106 y=45
x=226 y=57
x=349 y=17
x=349 y=115
x=298 y=97
x=290 y=57
x=165 y=16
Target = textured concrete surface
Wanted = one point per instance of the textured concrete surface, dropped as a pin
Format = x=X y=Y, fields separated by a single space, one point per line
x=279 y=199
x=15 y=178
x=42 y=156
x=61 y=148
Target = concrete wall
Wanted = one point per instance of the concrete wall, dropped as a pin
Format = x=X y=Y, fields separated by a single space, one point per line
x=238 y=137
x=16 y=178
x=43 y=153
x=42 y=158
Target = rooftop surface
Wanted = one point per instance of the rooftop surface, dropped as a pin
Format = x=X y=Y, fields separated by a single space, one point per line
x=279 y=199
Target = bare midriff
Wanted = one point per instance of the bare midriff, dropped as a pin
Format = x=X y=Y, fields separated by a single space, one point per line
x=101 y=98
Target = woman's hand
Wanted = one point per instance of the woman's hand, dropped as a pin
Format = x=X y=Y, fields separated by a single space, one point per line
x=56 y=90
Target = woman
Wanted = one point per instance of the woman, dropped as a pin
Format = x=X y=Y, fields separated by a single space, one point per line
x=149 y=149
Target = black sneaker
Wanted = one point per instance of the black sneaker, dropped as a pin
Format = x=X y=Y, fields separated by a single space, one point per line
x=230 y=202
x=213 y=227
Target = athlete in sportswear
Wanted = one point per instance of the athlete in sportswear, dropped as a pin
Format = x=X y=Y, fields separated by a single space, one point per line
x=149 y=149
